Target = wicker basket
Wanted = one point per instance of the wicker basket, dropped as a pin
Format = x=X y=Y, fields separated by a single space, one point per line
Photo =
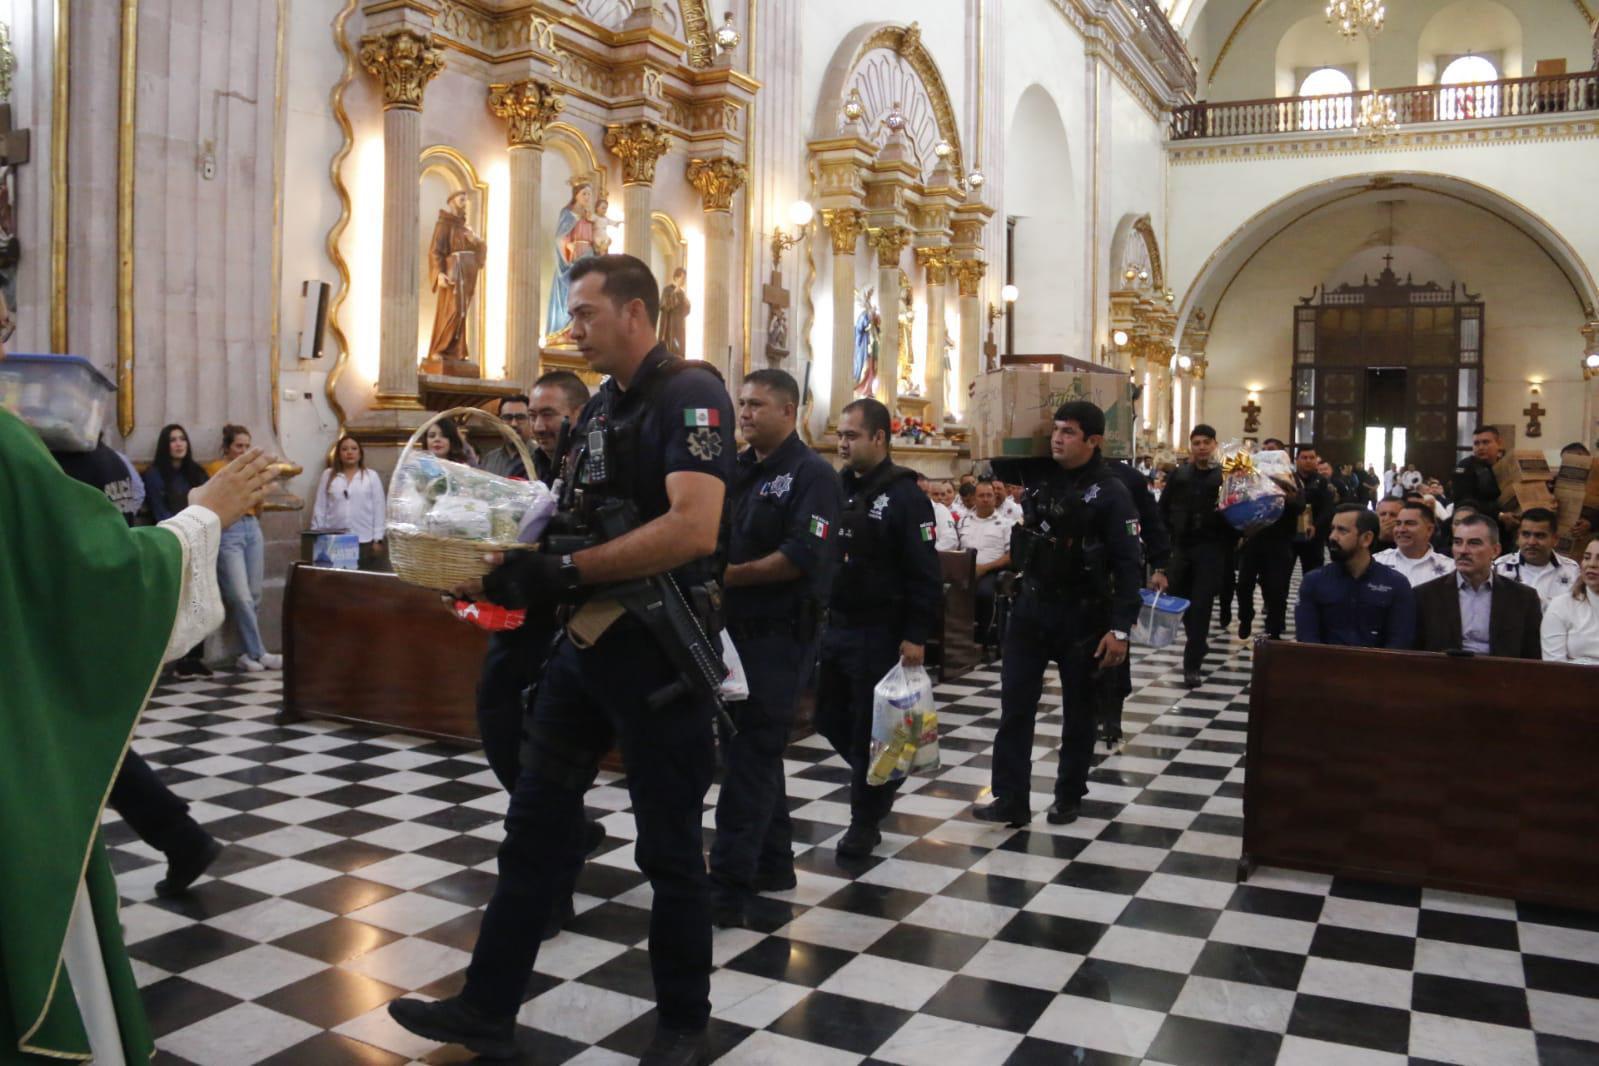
x=432 y=561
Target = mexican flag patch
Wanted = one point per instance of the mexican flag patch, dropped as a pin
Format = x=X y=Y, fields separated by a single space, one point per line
x=701 y=416
x=927 y=531
x=818 y=527
x=1133 y=528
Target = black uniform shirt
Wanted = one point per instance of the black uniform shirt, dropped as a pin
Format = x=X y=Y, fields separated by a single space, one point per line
x=1152 y=528
x=1189 y=507
x=789 y=503
x=888 y=568
x=103 y=469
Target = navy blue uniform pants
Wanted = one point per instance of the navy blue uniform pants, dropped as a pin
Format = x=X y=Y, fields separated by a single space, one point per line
x=1268 y=562
x=1312 y=554
x=1198 y=574
x=853 y=661
x=154 y=811
x=754 y=835
x=1039 y=633
x=515 y=660
x=586 y=700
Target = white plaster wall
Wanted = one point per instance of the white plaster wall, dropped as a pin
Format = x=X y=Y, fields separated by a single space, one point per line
x=1134 y=181
x=32 y=25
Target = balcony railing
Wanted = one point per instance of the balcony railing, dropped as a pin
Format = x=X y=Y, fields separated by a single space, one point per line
x=1509 y=98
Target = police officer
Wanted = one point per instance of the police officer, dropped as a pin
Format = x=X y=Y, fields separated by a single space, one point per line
x=1078 y=551
x=1201 y=543
x=779 y=575
x=1114 y=686
x=885 y=599
x=657 y=435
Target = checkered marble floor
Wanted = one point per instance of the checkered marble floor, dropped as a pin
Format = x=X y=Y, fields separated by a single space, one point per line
x=358 y=864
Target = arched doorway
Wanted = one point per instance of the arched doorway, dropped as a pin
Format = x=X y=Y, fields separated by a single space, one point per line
x=1044 y=216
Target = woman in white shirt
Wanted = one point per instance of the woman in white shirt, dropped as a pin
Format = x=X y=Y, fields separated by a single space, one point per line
x=350 y=497
x=1571 y=624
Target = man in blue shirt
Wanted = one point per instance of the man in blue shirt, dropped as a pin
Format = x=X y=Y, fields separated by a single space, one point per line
x=1354 y=600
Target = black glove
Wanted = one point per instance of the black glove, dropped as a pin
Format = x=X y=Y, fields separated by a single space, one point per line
x=528 y=579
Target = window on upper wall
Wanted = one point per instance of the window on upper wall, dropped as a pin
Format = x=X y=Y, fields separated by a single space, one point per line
x=1326 y=114
x=1468 y=90
x=1327 y=81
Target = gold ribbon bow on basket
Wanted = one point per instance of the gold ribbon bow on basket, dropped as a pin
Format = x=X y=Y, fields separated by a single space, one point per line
x=1238 y=463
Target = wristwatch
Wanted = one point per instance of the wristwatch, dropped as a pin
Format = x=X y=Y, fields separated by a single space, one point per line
x=570 y=577
x=1119 y=635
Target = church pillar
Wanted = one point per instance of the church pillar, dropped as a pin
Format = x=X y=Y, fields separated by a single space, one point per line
x=969 y=281
x=528 y=106
x=639 y=145
x=1590 y=382
x=716 y=180
x=889 y=244
x=404 y=59
x=935 y=263
x=845 y=225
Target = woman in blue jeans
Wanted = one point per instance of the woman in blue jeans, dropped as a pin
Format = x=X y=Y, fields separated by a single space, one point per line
x=240 y=566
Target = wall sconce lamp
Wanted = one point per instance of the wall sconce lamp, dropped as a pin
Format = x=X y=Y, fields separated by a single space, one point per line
x=1008 y=296
x=800 y=212
x=1590 y=366
x=1119 y=338
x=1184 y=363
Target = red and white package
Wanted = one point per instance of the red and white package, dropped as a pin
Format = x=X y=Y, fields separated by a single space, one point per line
x=489 y=616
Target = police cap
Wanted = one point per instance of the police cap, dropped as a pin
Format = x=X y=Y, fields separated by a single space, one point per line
x=1089 y=418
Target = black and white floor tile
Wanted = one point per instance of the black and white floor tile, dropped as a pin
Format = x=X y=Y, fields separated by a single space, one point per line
x=358 y=864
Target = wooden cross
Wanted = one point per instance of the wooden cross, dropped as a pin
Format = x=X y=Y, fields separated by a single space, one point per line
x=1534 y=413
x=777 y=299
x=1251 y=412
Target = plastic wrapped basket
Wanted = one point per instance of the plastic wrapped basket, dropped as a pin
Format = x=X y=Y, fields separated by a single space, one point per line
x=1159 y=619
x=430 y=560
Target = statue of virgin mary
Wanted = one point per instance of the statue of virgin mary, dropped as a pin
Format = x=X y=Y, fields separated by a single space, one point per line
x=574 y=240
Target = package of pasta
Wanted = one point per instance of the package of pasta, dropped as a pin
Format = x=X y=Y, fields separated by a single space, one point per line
x=1249 y=500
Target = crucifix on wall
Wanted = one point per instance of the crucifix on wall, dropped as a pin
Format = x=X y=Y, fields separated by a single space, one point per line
x=1534 y=413
x=1251 y=412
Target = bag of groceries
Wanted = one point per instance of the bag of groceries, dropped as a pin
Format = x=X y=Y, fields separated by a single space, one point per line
x=904 y=725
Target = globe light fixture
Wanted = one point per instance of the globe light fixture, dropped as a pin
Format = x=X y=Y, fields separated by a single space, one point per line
x=1119 y=338
x=800 y=212
x=1009 y=294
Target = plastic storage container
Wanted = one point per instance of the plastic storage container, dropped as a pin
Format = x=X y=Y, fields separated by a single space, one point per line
x=1159 y=619
x=63 y=397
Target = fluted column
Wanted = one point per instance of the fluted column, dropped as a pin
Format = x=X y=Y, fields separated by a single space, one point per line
x=969 y=279
x=889 y=243
x=404 y=60
x=935 y=263
x=717 y=180
x=844 y=225
x=528 y=106
x=639 y=145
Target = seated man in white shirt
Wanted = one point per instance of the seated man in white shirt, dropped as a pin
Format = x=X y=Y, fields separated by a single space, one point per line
x=965 y=494
x=1008 y=501
x=1413 y=556
x=987 y=532
x=946 y=539
x=1535 y=563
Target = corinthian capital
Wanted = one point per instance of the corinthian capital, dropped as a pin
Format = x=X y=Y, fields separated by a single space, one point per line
x=528 y=107
x=935 y=261
x=888 y=242
x=404 y=60
x=969 y=275
x=716 y=180
x=639 y=145
x=845 y=224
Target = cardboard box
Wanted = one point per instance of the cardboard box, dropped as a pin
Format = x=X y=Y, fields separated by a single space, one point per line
x=1013 y=409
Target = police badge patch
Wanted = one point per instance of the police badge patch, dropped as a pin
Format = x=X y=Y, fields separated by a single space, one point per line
x=704 y=444
x=778 y=486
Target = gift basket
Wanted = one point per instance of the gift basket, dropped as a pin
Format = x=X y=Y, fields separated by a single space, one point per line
x=443 y=517
x=1249 y=500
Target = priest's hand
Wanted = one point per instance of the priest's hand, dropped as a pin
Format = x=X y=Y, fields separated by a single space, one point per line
x=238 y=488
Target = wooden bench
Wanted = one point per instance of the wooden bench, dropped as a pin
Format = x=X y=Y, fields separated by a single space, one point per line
x=1475 y=774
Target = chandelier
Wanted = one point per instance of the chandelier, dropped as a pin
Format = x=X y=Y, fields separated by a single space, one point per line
x=1354 y=17
x=1378 y=119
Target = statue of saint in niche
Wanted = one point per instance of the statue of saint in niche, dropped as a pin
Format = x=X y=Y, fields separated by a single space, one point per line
x=579 y=233
x=868 y=331
x=456 y=255
x=907 y=322
x=671 y=326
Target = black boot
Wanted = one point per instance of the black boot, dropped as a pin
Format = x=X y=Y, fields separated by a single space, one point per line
x=677 y=1047
x=454 y=1021
x=1063 y=812
x=1014 y=815
x=184 y=868
x=859 y=840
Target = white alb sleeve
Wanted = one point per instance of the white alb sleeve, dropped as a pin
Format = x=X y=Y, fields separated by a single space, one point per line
x=199 y=531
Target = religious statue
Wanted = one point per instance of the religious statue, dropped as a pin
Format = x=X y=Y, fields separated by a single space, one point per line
x=777 y=335
x=602 y=227
x=456 y=255
x=10 y=246
x=868 y=329
x=574 y=240
x=671 y=325
x=950 y=379
x=907 y=322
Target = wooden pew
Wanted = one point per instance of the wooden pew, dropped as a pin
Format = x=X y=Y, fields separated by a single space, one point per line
x=952 y=650
x=1474 y=774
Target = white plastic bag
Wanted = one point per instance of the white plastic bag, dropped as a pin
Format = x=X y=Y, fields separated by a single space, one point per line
x=736 y=686
x=903 y=723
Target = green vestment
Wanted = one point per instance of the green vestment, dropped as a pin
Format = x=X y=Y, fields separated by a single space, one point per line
x=87 y=606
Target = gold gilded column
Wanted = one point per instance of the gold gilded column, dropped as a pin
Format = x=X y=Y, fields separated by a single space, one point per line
x=528 y=107
x=404 y=60
x=889 y=243
x=935 y=264
x=639 y=145
x=969 y=282
x=845 y=225
x=716 y=180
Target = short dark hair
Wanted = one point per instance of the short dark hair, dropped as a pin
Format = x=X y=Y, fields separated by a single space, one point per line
x=1576 y=447
x=1428 y=515
x=1477 y=518
x=520 y=398
x=1539 y=514
x=627 y=278
x=577 y=393
x=1365 y=521
x=231 y=431
x=1202 y=430
x=966 y=488
x=1266 y=446
x=1088 y=416
x=1302 y=449
x=779 y=381
x=1487 y=429
x=1463 y=508
x=874 y=417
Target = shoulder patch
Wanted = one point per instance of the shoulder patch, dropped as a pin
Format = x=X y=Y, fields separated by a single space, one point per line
x=1133 y=527
x=701 y=416
x=927 y=531
x=705 y=443
x=818 y=527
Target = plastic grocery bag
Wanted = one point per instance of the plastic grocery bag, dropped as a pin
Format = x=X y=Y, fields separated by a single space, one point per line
x=736 y=686
x=904 y=725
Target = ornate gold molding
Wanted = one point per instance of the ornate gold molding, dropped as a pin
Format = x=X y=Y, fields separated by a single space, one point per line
x=889 y=243
x=60 y=113
x=716 y=180
x=336 y=174
x=845 y=225
x=639 y=145
x=127 y=103
x=1279 y=146
x=906 y=42
x=528 y=107
x=936 y=262
x=1146 y=231
x=404 y=61
x=697 y=31
x=969 y=275
x=499 y=33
